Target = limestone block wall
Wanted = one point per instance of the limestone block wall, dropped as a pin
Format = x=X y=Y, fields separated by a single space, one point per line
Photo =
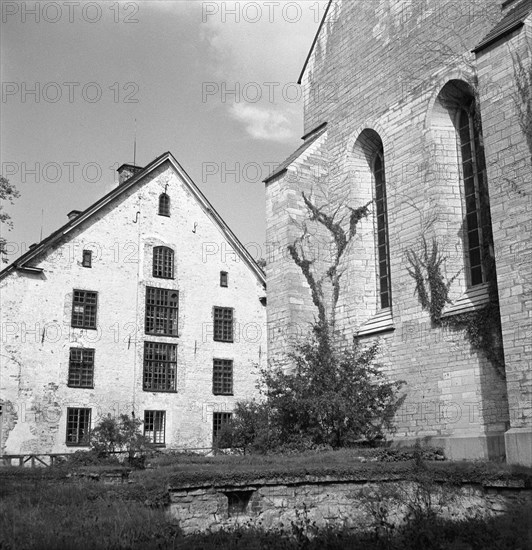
x=331 y=503
x=509 y=160
x=388 y=63
x=36 y=332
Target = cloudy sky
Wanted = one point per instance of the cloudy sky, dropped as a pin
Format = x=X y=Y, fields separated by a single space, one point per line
x=213 y=82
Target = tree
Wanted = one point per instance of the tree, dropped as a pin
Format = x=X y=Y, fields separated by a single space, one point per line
x=8 y=192
x=334 y=395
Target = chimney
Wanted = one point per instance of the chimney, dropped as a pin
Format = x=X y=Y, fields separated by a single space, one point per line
x=127 y=171
x=73 y=214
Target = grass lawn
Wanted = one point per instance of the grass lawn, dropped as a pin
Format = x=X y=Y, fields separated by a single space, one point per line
x=54 y=508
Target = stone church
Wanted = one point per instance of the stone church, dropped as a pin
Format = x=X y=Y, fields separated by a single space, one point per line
x=421 y=108
x=143 y=303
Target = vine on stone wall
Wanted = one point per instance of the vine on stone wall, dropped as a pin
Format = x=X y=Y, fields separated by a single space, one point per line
x=523 y=96
x=482 y=326
x=431 y=287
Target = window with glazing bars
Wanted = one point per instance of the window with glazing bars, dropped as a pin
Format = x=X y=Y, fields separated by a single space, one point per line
x=383 y=255
x=154 y=426
x=223 y=324
x=81 y=368
x=162 y=309
x=163 y=262
x=78 y=426
x=218 y=420
x=164 y=205
x=84 y=306
x=478 y=221
x=160 y=365
x=222 y=377
x=87 y=258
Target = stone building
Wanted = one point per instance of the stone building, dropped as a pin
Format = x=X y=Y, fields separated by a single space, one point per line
x=415 y=106
x=145 y=302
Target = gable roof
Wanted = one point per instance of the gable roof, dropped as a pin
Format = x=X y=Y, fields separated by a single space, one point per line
x=314 y=42
x=309 y=138
x=512 y=21
x=22 y=262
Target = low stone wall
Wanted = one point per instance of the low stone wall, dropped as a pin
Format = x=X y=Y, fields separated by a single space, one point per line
x=275 y=504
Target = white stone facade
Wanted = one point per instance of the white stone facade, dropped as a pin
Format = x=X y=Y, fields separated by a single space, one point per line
x=37 y=309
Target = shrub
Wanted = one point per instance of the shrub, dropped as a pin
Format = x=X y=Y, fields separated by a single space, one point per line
x=121 y=434
x=330 y=399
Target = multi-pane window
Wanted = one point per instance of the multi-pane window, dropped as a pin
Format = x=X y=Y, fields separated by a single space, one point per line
x=164 y=205
x=84 y=306
x=223 y=324
x=383 y=256
x=218 y=420
x=162 y=308
x=81 y=368
x=163 y=262
x=222 y=377
x=224 y=281
x=78 y=426
x=154 y=424
x=87 y=258
x=160 y=366
x=477 y=218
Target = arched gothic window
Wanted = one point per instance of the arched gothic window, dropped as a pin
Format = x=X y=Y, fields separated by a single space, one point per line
x=163 y=262
x=383 y=254
x=477 y=225
x=164 y=205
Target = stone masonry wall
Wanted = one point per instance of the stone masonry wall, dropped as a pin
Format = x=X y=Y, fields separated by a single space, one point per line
x=383 y=65
x=332 y=503
x=36 y=317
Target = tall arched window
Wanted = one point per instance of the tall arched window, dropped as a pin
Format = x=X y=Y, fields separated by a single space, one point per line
x=164 y=205
x=477 y=225
x=163 y=262
x=383 y=255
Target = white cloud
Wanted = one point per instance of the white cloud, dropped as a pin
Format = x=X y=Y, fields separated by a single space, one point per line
x=262 y=123
x=260 y=43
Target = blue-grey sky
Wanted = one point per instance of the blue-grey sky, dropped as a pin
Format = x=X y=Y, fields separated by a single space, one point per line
x=213 y=82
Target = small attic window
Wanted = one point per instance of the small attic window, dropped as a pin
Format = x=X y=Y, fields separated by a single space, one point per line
x=164 y=205
x=87 y=258
x=224 y=279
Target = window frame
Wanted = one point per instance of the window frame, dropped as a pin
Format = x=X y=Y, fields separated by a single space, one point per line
x=164 y=209
x=218 y=420
x=162 y=266
x=91 y=352
x=155 y=312
x=86 y=260
x=473 y=175
x=382 y=249
x=84 y=440
x=222 y=376
x=164 y=369
x=152 y=434
x=220 y=334
x=84 y=324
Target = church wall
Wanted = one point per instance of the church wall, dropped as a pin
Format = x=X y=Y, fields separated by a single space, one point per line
x=388 y=61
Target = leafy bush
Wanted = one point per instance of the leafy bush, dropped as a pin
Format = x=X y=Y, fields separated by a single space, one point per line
x=330 y=399
x=114 y=435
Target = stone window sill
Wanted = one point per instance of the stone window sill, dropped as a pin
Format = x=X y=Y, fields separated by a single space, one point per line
x=381 y=322
x=472 y=299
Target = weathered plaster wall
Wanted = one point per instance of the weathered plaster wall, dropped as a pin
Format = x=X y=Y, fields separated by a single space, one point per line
x=36 y=316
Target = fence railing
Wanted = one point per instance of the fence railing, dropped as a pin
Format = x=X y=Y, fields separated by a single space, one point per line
x=34 y=460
